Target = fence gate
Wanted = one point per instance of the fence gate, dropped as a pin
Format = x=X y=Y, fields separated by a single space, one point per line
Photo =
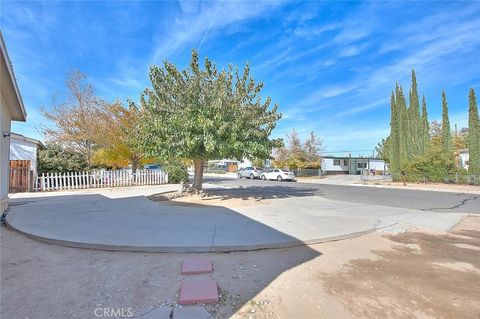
x=20 y=176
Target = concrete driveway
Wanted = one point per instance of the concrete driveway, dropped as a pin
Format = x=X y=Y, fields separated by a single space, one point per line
x=294 y=214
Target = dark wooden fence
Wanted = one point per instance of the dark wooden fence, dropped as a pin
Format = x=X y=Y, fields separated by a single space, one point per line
x=21 y=176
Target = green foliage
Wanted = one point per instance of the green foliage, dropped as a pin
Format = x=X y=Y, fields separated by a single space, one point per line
x=57 y=159
x=177 y=173
x=414 y=120
x=258 y=162
x=394 y=147
x=383 y=149
x=297 y=154
x=117 y=142
x=435 y=166
x=447 y=141
x=410 y=140
x=206 y=114
x=425 y=128
x=473 y=134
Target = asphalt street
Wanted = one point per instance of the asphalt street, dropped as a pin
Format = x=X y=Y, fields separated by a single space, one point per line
x=433 y=201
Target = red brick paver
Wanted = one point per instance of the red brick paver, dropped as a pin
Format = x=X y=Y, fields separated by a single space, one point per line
x=198 y=291
x=193 y=266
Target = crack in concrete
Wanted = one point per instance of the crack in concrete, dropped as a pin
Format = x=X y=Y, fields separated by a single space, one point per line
x=462 y=203
x=213 y=237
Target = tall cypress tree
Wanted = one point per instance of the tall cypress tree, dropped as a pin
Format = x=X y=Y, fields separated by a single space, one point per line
x=415 y=133
x=394 y=136
x=447 y=142
x=404 y=127
x=473 y=134
x=425 y=127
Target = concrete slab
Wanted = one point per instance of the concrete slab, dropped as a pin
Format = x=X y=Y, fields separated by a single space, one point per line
x=198 y=291
x=191 y=312
x=114 y=221
x=155 y=313
x=193 y=266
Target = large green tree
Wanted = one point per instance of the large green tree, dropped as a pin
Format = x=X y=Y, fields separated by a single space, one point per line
x=473 y=134
x=202 y=114
x=394 y=147
x=425 y=127
x=415 y=142
x=447 y=141
x=409 y=129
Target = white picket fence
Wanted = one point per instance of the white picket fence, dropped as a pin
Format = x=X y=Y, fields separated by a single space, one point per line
x=98 y=179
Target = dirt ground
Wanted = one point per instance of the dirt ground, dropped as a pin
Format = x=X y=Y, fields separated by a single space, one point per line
x=412 y=275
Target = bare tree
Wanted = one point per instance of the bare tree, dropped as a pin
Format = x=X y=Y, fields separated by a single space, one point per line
x=74 y=121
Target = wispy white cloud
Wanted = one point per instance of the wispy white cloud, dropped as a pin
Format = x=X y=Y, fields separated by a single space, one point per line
x=312 y=31
x=189 y=27
x=362 y=108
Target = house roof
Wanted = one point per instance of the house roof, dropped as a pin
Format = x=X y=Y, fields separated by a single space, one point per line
x=20 y=137
x=9 y=89
x=353 y=157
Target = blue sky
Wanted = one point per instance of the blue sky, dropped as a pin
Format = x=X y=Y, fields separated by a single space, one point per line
x=329 y=65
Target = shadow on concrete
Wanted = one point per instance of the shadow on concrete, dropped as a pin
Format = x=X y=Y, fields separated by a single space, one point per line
x=264 y=192
x=137 y=224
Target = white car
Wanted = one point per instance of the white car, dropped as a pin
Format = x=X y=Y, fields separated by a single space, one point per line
x=278 y=174
x=250 y=172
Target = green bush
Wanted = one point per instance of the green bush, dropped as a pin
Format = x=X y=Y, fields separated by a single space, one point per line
x=177 y=173
x=54 y=158
x=434 y=166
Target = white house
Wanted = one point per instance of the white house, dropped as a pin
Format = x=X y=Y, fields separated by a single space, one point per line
x=463 y=156
x=11 y=109
x=351 y=165
x=25 y=148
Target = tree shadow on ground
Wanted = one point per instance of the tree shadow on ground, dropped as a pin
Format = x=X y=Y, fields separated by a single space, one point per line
x=79 y=280
x=263 y=192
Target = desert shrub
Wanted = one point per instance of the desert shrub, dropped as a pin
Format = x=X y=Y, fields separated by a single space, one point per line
x=434 y=166
x=177 y=173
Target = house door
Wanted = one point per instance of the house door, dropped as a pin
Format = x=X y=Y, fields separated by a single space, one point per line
x=352 y=167
x=20 y=176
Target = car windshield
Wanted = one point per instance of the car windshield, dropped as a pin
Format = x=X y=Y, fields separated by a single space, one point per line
x=285 y=170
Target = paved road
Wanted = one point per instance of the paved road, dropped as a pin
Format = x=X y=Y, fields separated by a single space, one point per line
x=440 y=202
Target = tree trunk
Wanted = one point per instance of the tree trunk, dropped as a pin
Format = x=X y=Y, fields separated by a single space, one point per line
x=134 y=161
x=198 y=177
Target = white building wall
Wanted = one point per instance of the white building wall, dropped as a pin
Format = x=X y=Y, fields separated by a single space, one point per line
x=328 y=165
x=378 y=165
x=464 y=158
x=5 y=119
x=24 y=150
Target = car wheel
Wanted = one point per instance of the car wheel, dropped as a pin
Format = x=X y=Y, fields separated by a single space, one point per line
x=263 y=178
x=279 y=178
x=251 y=176
x=239 y=176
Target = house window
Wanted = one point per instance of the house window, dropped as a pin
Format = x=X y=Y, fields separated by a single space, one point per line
x=345 y=163
x=362 y=165
x=336 y=162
